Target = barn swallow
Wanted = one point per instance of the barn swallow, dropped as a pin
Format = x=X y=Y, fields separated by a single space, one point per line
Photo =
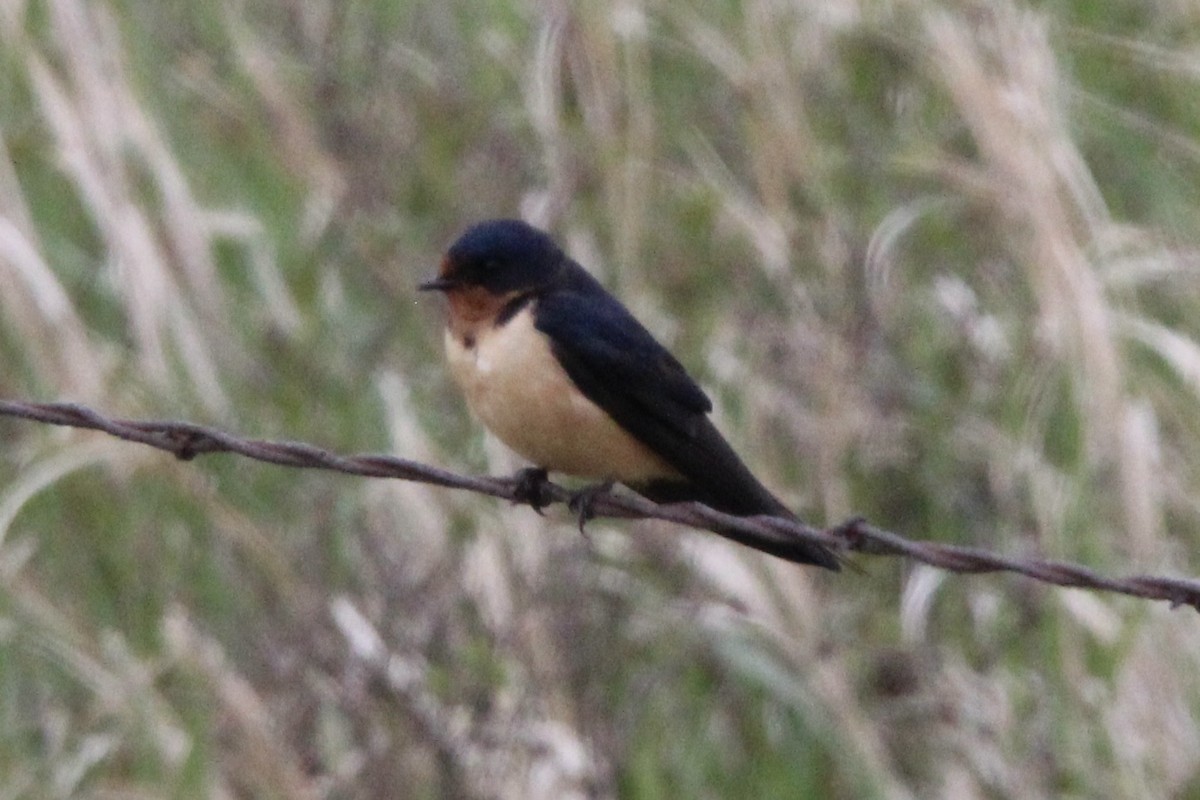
x=563 y=374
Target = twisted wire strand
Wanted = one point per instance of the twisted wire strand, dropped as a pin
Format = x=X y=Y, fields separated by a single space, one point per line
x=187 y=440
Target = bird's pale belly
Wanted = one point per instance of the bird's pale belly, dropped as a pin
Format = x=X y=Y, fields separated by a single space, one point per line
x=517 y=388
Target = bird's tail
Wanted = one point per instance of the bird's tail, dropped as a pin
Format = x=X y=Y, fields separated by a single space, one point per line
x=785 y=547
x=777 y=544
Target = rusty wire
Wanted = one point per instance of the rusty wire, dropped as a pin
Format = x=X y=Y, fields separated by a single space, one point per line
x=187 y=440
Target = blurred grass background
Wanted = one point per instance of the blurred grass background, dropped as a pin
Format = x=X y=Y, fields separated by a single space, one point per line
x=936 y=262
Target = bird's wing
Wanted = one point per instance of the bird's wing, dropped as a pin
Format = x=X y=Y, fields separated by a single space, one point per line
x=620 y=367
x=612 y=357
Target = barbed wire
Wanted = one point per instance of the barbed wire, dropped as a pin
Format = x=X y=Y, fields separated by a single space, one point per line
x=186 y=440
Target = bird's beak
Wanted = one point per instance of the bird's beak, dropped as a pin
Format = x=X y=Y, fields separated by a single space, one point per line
x=438 y=285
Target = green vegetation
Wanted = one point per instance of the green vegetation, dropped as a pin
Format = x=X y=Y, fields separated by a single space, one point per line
x=936 y=262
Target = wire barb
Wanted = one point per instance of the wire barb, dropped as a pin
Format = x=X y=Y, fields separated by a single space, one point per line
x=187 y=440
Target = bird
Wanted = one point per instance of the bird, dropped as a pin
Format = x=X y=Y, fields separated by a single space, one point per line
x=564 y=375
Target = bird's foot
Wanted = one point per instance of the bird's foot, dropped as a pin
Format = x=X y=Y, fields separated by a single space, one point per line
x=582 y=502
x=530 y=487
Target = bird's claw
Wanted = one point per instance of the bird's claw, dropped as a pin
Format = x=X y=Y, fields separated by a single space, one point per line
x=582 y=502
x=530 y=487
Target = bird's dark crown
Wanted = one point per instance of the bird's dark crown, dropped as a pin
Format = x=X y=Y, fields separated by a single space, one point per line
x=502 y=256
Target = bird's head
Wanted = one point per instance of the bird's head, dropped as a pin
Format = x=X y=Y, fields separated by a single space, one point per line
x=502 y=257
